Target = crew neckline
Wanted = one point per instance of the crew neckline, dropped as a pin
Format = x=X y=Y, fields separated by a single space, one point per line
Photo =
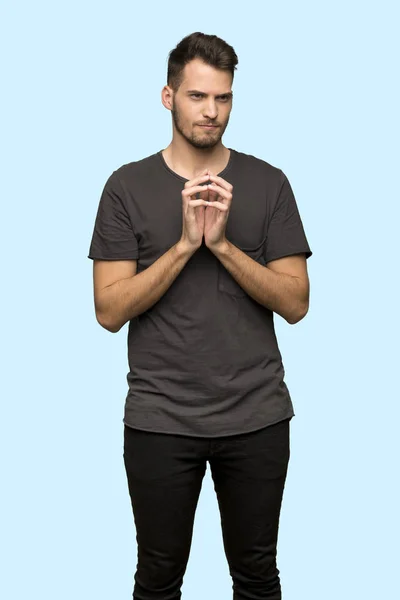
x=227 y=168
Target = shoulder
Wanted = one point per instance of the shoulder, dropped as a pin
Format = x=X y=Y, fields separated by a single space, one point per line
x=262 y=169
x=143 y=167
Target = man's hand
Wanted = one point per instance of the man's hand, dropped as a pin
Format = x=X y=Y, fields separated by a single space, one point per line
x=217 y=212
x=193 y=210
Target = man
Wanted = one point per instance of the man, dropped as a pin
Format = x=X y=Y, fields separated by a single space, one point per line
x=196 y=246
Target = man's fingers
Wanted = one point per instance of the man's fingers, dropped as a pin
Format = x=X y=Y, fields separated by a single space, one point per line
x=221 y=182
x=196 y=180
x=218 y=205
x=190 y=191
x=194 y=203
x=220 y=190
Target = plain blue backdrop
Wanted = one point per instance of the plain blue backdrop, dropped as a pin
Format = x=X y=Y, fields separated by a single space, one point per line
x=315 y=94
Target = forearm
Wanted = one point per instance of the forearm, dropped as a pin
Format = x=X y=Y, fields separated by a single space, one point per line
x=127 y=298
x=279 y=292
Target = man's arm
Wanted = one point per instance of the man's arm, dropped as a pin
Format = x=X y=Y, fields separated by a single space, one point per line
x=120 y=294
x=282 y=285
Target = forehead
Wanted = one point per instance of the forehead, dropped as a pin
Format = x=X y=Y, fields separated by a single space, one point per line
x=198 y=74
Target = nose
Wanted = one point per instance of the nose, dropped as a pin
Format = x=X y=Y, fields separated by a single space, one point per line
x=210 y=110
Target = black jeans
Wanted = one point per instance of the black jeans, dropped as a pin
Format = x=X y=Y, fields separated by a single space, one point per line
x=165 y=474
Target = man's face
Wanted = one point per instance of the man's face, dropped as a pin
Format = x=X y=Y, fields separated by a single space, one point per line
x=203 y=98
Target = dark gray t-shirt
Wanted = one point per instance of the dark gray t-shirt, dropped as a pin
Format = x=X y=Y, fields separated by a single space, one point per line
x=204 y=359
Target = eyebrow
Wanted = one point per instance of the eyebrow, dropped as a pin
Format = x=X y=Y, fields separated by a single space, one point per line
x=229 y=94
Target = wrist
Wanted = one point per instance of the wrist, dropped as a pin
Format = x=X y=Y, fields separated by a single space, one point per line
x=185 y=249
x=219 y=248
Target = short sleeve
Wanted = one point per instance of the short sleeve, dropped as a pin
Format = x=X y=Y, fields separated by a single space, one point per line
x=113 y=236
x=285 y=234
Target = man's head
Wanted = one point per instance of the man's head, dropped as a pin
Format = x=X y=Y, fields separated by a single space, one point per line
x=200 y=76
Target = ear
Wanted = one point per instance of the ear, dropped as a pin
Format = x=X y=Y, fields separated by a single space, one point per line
x=167 y=97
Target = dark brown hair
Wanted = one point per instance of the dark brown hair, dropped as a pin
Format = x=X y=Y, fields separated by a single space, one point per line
x=211 y=49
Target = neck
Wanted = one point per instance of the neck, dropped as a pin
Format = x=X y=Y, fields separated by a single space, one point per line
x=189 y=162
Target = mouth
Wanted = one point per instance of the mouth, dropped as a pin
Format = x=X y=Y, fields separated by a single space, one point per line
x=209 y=126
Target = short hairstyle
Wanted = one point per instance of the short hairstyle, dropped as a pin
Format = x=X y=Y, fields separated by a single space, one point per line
x=209 y=48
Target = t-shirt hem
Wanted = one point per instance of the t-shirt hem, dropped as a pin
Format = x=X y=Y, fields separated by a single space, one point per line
x=308 y=253
x=191 y=434
x=97 y=257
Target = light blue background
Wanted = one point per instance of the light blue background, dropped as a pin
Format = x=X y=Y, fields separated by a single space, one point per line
x=315 y=94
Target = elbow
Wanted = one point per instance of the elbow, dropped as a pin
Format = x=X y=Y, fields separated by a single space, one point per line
x=112 y=329
x=297 y=316
x=107 y=324
x=300 y=306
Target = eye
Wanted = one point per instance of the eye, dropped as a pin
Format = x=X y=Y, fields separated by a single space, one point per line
x=223 y=98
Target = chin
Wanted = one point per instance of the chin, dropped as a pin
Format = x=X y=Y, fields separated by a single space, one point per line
x=204 y=142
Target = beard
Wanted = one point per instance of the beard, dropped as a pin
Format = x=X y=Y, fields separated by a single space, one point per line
x=203 y=139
